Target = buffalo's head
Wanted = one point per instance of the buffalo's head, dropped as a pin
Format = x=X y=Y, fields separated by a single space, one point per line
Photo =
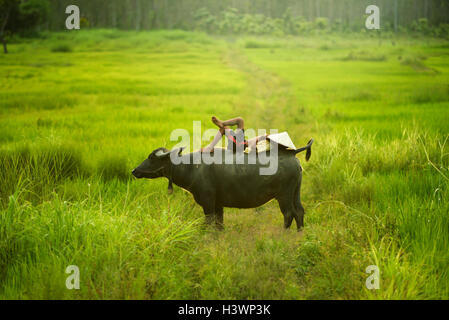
x=156 y=165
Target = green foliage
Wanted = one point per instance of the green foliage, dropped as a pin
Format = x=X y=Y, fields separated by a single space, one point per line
x=84 y=23
x=204 y=20
x=34 y=12
x=21 y=16
x=421 y=26
x=321 y=23
x=232 y=21
x=25 y=15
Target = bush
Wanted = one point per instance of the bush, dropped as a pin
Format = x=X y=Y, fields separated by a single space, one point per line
x=63 y=47
x=364 y=56
x=84 y=23
x=321 y=23
x=205 y=21
x=254 y=44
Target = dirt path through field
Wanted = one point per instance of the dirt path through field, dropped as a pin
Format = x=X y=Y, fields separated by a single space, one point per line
x=267 y=97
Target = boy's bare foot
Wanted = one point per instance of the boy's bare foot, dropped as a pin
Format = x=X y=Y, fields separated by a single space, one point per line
x=217 y=122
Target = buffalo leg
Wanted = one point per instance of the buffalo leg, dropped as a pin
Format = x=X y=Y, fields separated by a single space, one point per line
x=210 y=218
x=209 y=212
x=287 y=210
x=288 y=218
x=299 y=209
x=219 y=218
x=207 y=201
x=299 y=216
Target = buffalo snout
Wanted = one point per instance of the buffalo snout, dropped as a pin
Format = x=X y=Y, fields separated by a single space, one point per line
x=137 y=174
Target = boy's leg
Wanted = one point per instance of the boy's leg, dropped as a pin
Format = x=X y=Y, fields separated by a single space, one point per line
x=231 y=122
x=217 y=139
x=253 y=142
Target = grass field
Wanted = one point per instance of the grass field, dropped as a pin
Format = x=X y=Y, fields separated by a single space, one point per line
x=79 y=110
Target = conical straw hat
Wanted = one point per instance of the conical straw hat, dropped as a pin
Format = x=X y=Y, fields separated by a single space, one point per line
x=283 y=139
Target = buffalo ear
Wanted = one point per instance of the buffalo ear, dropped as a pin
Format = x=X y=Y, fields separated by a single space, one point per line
x=180 y=150
x=162 y=153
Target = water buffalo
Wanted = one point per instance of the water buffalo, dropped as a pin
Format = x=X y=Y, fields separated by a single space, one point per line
x=219 y=185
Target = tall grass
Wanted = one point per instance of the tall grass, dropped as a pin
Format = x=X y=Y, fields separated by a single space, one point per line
x=120 y=253
x=39 y=171
x=397 y=188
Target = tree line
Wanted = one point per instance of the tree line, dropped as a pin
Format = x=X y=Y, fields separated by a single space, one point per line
x=275 y=17
x=184 y=14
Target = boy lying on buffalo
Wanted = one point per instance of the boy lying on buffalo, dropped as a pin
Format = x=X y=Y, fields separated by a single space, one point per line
x=236 y=139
